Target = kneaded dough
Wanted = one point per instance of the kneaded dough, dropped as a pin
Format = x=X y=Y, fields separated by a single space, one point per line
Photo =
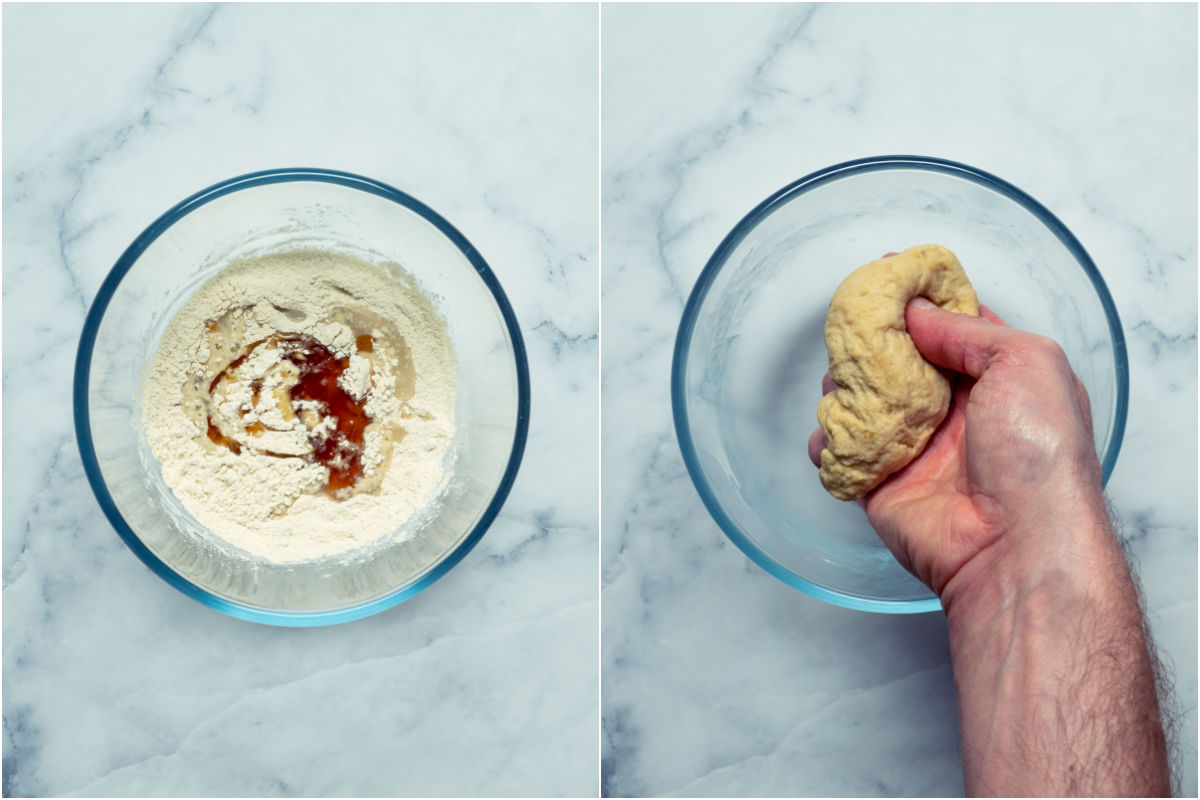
x=889 y=400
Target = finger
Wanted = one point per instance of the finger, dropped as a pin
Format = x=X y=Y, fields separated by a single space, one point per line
x=991 y=316
x=816 y=443
x=827 y=384
x=890 y=253
x=961 y=342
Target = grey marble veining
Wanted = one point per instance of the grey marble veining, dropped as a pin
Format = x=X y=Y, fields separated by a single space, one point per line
x=716 y=678
x=116 y=684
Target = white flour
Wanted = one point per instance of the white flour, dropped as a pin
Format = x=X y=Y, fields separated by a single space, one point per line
x=228 y=409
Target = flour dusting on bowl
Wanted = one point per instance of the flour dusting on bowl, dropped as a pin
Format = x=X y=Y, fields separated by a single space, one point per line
x=301 y=403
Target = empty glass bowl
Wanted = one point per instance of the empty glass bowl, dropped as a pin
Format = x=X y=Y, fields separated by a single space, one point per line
x=279 y=210
x=750 y=351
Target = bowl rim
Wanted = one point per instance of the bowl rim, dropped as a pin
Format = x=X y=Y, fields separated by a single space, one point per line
x=83 y=362
x=734 y=238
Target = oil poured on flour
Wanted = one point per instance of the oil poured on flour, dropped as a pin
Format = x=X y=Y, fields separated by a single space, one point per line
x=301 y=404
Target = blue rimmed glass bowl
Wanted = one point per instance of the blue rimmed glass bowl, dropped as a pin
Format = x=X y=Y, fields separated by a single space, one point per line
x=750 y=352
x=270 y=211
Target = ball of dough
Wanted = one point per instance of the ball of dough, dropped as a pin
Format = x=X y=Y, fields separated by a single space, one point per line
x=889 y=400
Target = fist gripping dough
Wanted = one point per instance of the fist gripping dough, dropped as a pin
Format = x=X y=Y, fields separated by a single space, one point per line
x=889 y=400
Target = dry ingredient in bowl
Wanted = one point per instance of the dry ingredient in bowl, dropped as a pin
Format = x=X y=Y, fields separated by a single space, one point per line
x=301 y=404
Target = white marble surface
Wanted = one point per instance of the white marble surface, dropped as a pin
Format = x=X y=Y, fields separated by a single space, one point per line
x=717 y=678
x=115 y=683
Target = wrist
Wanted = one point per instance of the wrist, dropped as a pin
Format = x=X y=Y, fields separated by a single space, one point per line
x=1055 y=679
x=1071 y=548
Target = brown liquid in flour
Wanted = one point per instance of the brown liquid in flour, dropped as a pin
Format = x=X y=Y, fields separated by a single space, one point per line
x=340 y=449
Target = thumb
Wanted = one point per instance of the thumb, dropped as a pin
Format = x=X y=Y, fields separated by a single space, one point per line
x=960 y=342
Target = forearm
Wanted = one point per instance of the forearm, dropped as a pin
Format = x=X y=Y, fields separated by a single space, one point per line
x=1055 y=682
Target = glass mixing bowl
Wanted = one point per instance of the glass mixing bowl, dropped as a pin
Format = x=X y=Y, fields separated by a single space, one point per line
x=271 y=211
x=750 y=351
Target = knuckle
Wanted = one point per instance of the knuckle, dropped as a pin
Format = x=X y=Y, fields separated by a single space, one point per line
x=1047 y=351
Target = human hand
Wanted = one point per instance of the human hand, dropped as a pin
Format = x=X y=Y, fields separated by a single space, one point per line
x=1002 y=516
x=1013 y=457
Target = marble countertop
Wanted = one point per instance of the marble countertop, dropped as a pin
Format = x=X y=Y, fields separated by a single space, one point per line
x=718 y=679
x=115 y=683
